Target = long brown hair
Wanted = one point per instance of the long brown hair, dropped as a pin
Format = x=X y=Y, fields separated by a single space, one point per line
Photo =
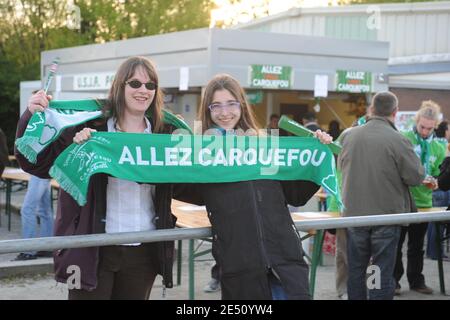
x=226 y=82
x=115 y=105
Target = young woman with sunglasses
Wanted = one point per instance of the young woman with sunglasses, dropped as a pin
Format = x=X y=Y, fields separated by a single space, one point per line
x=113 y=205
x=255 y=242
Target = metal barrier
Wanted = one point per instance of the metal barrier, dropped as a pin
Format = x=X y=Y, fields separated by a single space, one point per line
x=105 y=239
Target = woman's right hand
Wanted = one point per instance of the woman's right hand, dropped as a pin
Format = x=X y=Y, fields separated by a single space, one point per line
x=83 y=135
x=38 y=101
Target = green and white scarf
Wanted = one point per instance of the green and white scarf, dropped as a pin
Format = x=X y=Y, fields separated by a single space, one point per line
x=140 y=157
x=424 y=155
x=161 y=158
x=45 y=127
x=361 y=121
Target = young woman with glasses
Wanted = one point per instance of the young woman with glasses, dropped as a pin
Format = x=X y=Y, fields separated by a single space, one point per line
x=255 y=242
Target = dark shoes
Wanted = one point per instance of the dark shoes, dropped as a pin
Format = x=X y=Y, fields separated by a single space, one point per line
x=444 y=258
x=398 y=289
x=28 y=256
x=423 y=289
x=25 y=256
x=212 y=286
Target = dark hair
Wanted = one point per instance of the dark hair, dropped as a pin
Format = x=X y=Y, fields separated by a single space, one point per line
x=115 y=104
x=333 y=129
x=440 y=130
x=310 y=116
x=226 y=82
x=384 y=104
x=274 y=115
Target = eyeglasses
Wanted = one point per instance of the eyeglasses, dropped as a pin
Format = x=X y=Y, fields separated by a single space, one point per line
x=230 y=105
x=136 y=84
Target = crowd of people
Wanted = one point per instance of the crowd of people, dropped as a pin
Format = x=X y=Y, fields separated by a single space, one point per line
x=255 y=244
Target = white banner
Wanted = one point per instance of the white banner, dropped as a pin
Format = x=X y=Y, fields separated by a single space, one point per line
x=93 y=81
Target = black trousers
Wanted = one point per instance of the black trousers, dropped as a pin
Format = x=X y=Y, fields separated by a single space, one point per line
x=124 y=273
x=416 y=236
x=215 y=272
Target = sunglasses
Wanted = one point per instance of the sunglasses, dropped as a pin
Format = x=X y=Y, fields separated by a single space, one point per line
x=136 y=84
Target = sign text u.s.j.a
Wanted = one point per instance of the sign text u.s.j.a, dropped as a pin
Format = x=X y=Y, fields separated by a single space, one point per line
x=353 y=81
x=93 y=81
x=270 y=77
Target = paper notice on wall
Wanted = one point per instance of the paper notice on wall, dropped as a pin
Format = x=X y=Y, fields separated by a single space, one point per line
x=184 y=78
x=57 y=88
x=404 y=120
x=320 y=85
x=192 y=208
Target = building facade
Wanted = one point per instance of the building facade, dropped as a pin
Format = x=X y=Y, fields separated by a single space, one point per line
x=279 y=71
x=418 y=34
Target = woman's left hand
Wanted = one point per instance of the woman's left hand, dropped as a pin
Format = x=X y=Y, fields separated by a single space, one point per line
x=324 y=137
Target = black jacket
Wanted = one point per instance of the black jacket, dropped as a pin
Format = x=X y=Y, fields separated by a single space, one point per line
x=253 y=233
x=444 y=176
x=72 y=219
x=3 y=152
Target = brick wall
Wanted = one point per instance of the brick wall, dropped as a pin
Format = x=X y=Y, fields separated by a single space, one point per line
x=410 y=99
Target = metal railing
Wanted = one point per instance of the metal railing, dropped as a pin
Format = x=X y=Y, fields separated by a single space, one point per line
x=105 y=239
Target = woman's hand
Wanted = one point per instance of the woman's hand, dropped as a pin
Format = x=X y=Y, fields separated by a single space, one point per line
x=38 y=101
x=83 y=135
x=324 y=137
x=430 y=182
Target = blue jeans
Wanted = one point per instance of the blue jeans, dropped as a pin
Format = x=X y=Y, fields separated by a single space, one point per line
x=440 y=199
x=37 y=202
x=276 y=288
x=380 y=244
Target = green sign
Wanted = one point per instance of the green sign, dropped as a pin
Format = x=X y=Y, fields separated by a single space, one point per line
x=353 y=81
x=255 y=97
x=270 y=77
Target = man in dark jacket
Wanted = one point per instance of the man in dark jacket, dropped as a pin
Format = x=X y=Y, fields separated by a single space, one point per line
x=310 y=121
x=378 y=165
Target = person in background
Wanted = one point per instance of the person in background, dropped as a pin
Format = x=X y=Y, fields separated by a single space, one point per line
x=36 y=204
x=341 y=261
x=333 y=129
x=431 y=154
x=441 y=198
x=310 y=121
x=376 y=181
x=442 y=134
x=273 y=124
x=3 y=152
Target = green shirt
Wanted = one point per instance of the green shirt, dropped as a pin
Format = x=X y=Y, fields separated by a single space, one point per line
x=442 y=141
x=332 y=204
x=423 y=196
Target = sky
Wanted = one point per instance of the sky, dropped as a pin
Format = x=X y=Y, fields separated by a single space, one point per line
x=244 y=11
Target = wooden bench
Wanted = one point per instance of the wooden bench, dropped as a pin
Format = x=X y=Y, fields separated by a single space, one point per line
x=10 y=175
x=192 y=216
